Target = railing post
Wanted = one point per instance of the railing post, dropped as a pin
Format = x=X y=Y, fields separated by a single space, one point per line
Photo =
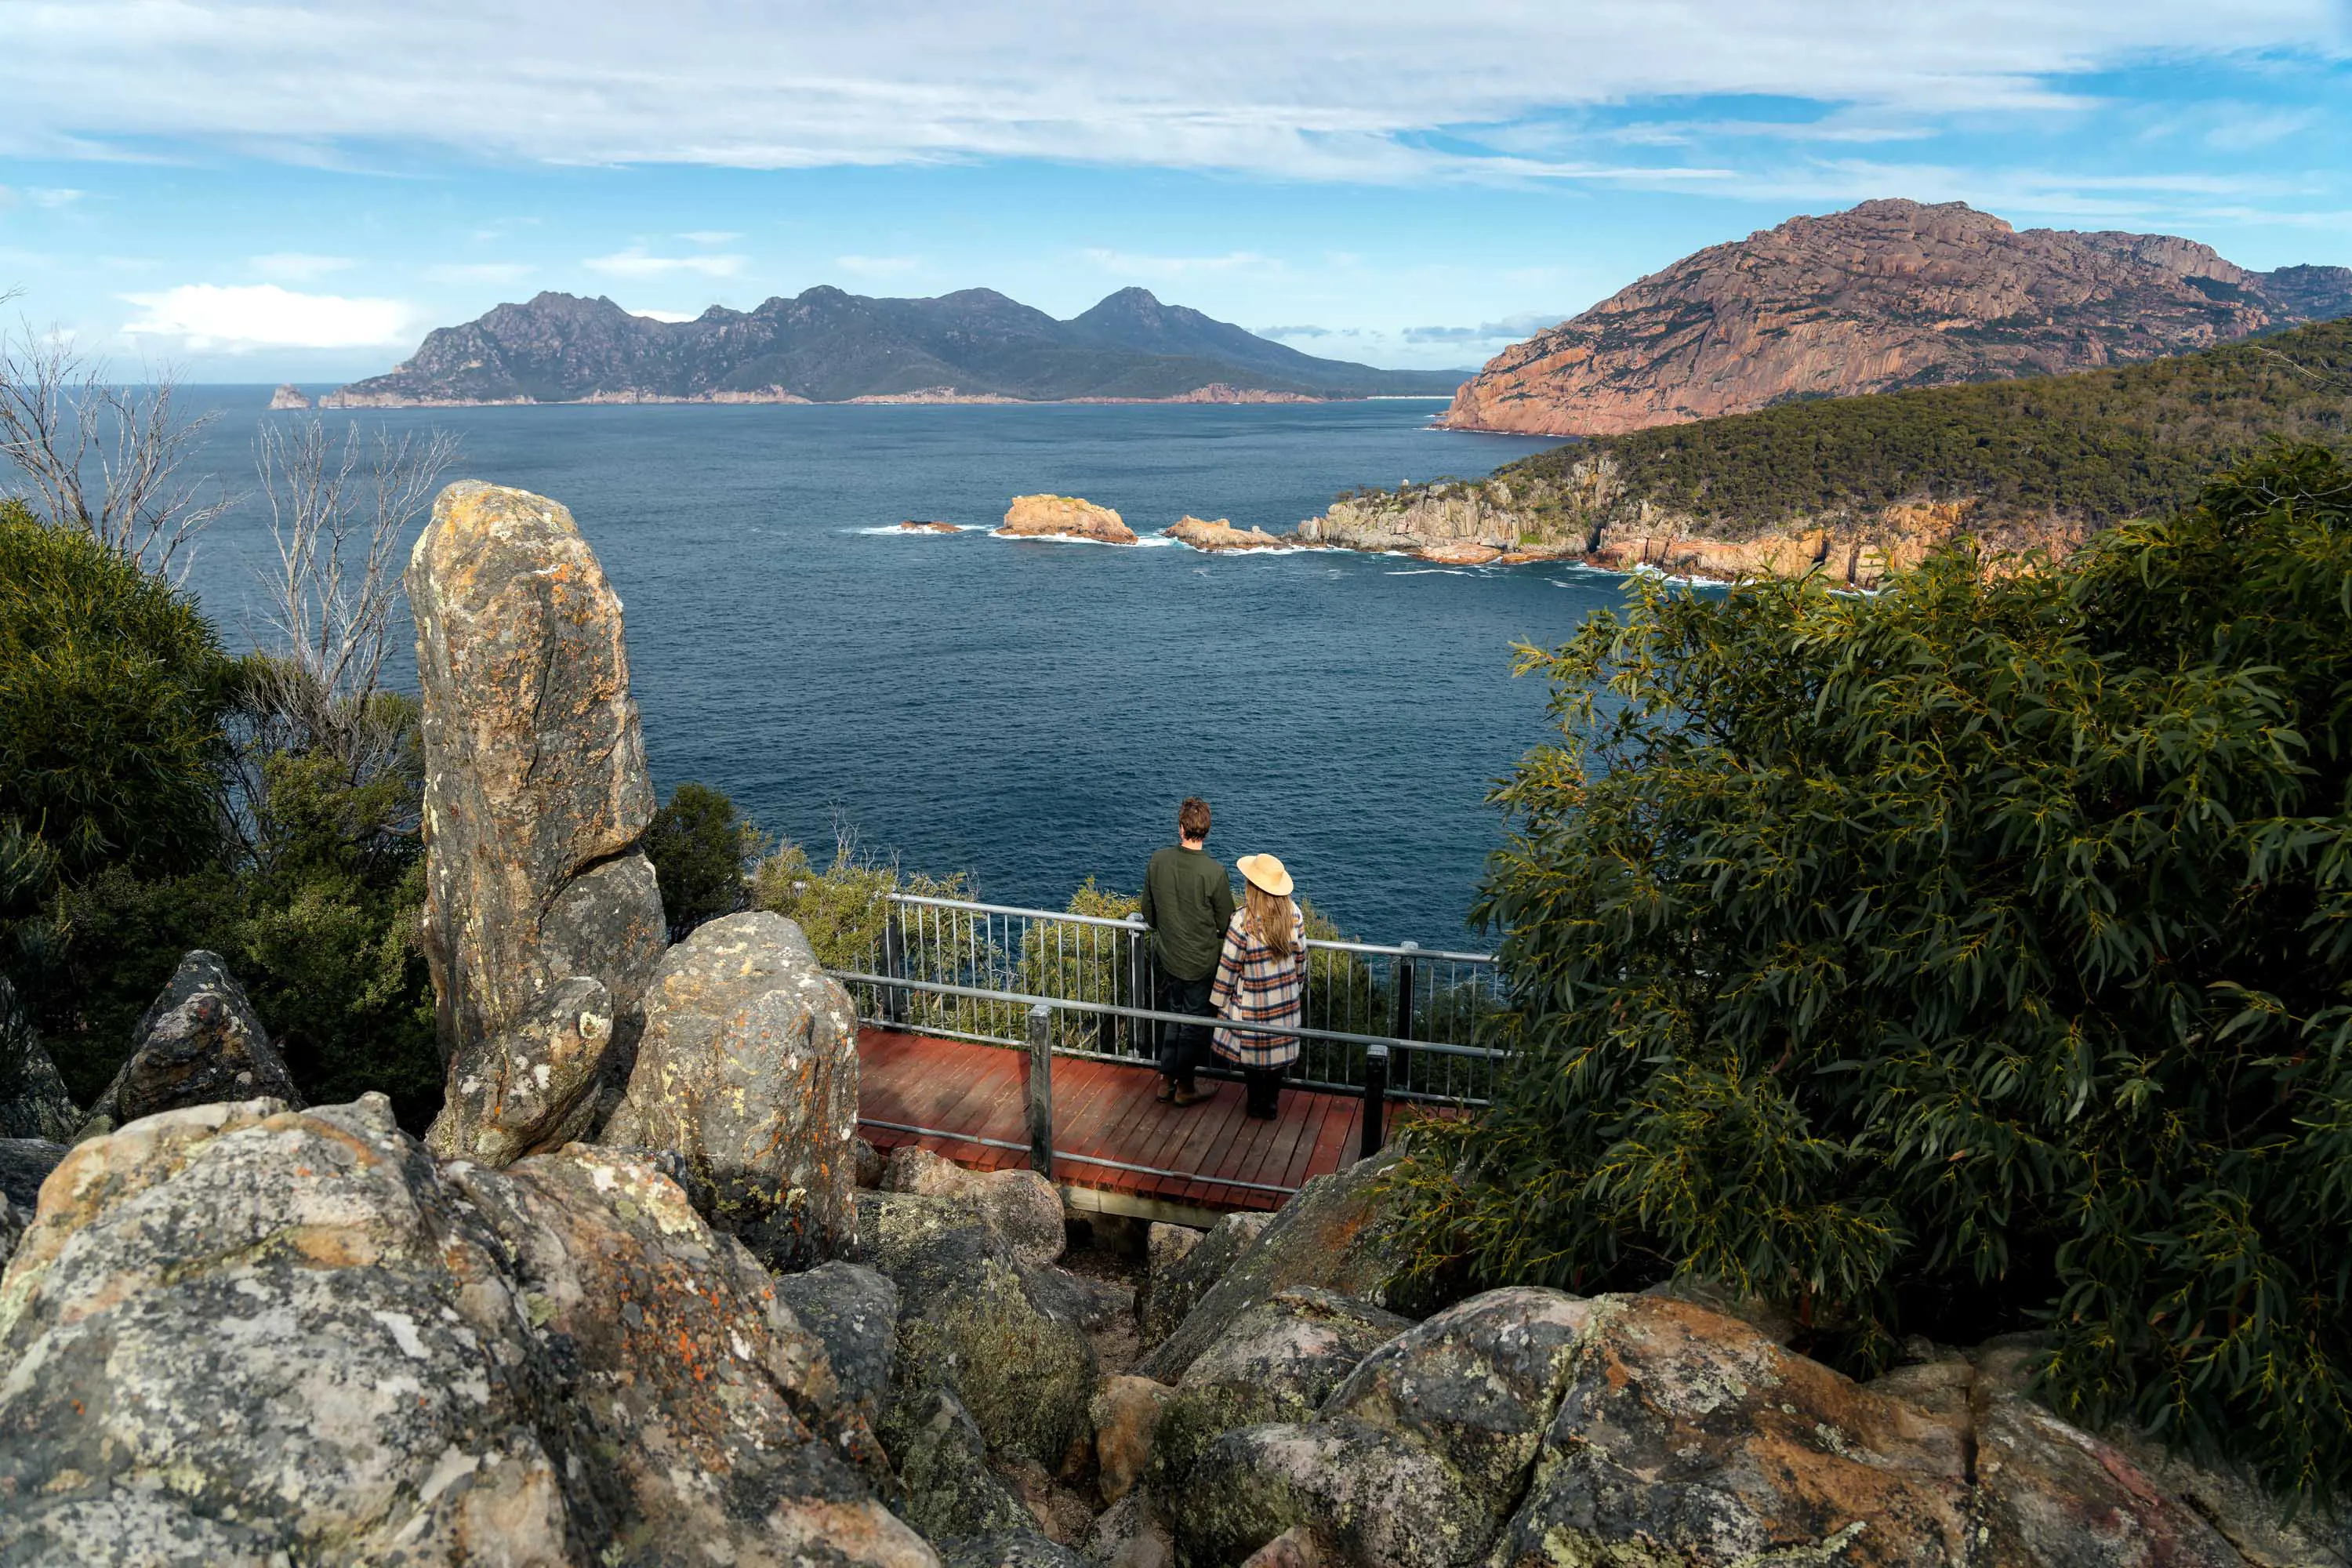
x=894 y=998
x=1376 y=1094
x=1040 y=1074
x=1404 y=979
x=1141 y=1036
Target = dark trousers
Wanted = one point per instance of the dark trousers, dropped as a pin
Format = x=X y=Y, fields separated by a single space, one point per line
x=1264 y=1087
x=1183 y=1048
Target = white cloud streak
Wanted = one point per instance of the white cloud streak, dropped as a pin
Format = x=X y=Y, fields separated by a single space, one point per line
x=1381 y=89
x=204 y=317
x=479 y=272
x=635 y=262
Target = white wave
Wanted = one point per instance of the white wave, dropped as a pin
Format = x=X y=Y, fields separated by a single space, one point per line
x=893 y=529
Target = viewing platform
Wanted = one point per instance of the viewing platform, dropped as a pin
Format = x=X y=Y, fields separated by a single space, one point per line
x=1000 y=1037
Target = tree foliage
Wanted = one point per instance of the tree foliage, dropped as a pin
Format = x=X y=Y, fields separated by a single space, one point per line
x=699 y=848
x=113 y=691
x=1971 y=957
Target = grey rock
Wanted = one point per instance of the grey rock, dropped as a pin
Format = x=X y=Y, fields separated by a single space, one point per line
x=535 y=797
x=12 y=1221
x=32 y=1098
x=199 y=1043
x=1330 y=1236
x=748 y=1070
x=519 y=1091
x=1010 y=1549
x=1130 y=1535
x=244 y=1333
x=855 y=1310
x=1181 y=1265
x=1476 y=1386
x=1688 y=1437
x=950 y=1492
x=2052 y=1496
x=971 y=1316
x=1278 y=1362
x=1378 y=1499
x=1022 y=1205
x=24 y=1164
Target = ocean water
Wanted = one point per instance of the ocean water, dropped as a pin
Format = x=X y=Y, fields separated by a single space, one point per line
x=1031 y=712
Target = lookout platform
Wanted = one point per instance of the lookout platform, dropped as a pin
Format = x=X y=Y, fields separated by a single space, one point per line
x=1116 y=1149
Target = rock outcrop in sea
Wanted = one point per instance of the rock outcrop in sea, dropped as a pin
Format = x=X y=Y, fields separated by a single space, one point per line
x=1887 y=294
x=543 y=920
x=1064 y=517
x=1203 y=534
x=289 y=396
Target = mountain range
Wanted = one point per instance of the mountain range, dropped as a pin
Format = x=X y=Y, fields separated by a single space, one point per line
x=829 y=346
x=1889 y=294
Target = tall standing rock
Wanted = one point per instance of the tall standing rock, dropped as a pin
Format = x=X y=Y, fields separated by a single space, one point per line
x=535 y=797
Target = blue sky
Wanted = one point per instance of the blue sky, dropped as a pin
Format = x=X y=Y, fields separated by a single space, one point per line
x=267 y=191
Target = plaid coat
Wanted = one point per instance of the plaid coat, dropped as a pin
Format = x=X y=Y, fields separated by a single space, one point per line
x=1256 y=984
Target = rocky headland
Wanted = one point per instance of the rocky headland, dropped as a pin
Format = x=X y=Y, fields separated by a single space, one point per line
x=643 y=1299
x=1887 y=294
x=828 y=346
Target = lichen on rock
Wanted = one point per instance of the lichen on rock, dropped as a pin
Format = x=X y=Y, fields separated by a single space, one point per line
x=748 y=1070
x=199 y=1042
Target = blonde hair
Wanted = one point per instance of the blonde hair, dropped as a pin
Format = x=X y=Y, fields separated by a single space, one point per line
x=1269 y=918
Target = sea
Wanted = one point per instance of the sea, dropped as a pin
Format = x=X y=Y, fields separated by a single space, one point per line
x=1028 y=713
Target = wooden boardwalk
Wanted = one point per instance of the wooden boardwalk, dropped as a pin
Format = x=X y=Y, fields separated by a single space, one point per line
x=965 y=1092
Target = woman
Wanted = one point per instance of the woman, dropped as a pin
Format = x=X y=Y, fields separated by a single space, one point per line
x=1261 y=979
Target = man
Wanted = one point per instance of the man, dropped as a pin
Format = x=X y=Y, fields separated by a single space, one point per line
x=1188 y=900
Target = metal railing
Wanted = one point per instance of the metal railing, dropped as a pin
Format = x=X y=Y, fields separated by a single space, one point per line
x=1390 y=1022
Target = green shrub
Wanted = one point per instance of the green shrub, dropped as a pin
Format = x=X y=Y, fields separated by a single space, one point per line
x=112 y=693
x=1967 y=958
x=699 y=848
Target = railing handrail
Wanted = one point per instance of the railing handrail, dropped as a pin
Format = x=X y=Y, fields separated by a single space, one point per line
x=1135 y=922
x=1153 y=1014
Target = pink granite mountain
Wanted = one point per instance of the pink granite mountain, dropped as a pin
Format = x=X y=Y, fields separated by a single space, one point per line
x=1889 y=294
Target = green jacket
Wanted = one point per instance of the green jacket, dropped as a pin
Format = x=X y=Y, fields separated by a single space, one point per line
x=1187 y=900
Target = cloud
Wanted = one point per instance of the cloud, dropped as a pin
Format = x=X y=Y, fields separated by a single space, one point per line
x=1509 y=330
x=1130 y=265
x=1217 y=84
x=1294 y=331
x=49 y=197
x=297 y=267
x=478 y=272
x=634 y=263
x=205 y=316
x=710 y=236
x=878 y=266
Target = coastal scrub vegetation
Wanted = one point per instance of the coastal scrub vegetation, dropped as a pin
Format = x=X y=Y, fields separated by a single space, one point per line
x=2093 y=448
x=158 y=795
x=1970 y=958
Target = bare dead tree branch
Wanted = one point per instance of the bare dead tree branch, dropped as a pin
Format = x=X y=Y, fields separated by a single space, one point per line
x=339 y=508
x=103 y=458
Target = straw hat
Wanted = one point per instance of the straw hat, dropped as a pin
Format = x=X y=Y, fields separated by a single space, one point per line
x=1266 y=872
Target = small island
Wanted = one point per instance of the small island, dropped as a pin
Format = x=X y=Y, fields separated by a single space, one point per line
x=1064 y=517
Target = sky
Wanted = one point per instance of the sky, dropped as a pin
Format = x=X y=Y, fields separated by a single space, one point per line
x=259 y=190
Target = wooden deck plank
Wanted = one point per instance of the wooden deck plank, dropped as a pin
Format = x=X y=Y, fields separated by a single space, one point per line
x=963 y=1091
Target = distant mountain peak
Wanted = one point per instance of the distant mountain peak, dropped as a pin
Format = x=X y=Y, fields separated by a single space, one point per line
x=830 y=345
x=1888 y=293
